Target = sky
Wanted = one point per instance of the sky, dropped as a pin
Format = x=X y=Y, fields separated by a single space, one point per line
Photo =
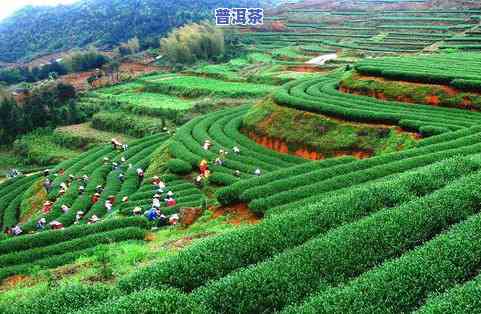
x=7 y=7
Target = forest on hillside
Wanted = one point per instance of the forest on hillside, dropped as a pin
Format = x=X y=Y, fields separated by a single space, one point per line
x=34 y=31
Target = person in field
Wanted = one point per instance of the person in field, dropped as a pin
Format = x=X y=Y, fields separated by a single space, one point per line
x=163 y=221
x=236 y=150
x=95 y=198
x=257 y=172
x=56 y=225
x=155 y=180
x=65 y=209
x=237 y=173
x=152 y=214
x=17 y=230
x=174 y=219
x=170 y=201
x=121 y=177
x=41 y=223
x=47 y=207
x=159 y=184
x=125 y=199
x=140 y=174
x=47 y=184
x=203 y=167
x=99 y=189
x=156 y=201
x=81 y=190
x=70 y=179
x=78 y=217
x=137 y=211
x=199 y=181
x=94 y=219
x=218 y=161
x=116 y=144
x=46 y=172
x=108 y=206
x=63 y=189
x=207 y=145
x=85 y=179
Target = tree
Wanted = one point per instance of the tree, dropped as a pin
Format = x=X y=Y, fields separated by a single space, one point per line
x=193 y=42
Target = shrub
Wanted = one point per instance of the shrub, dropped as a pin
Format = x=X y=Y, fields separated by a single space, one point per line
x=193 y=266
x=352 y=249
x=67 y=298
x=436 y=266
x=178 y=166
x=149 y=301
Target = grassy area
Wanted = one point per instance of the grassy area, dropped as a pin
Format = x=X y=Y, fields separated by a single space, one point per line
x=86 y=132
x=192 y=86
x=150 y=100
x=301 y=130
x=412 y=92
x=42 y=148
x=123 y=258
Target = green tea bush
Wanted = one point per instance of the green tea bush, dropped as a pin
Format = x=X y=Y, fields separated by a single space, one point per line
x=352 y=249
x=194 y=266
x=178 y=166
x=148 y=301
x=400 y=285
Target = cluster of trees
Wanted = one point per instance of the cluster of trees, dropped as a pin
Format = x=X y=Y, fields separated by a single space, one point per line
x=193 y=42
x=74 y=62
x=39 y=30
x=48 y=105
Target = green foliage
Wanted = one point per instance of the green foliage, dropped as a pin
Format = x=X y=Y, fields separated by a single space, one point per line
x=320 y=95
x=103 y=257
x=352 y=248
x=463 y=298
x=191 y=86
x=48 y=105
x=415 y=93
x=438 y=265
x=133 y=125
x=66 y=298
x=194 y=42
x=35 y=31
x=317 y=133
x=193 y=267
x=178 y=166
x=149 y=301
x=51 y=237
x=434 y=69
x=42 y=147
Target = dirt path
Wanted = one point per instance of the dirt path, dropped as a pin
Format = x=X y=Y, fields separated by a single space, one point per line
x=322 y=59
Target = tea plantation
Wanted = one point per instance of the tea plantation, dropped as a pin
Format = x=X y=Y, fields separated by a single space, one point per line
x=199 y=214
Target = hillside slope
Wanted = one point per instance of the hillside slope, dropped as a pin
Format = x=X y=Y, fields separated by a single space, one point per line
x=35 y=30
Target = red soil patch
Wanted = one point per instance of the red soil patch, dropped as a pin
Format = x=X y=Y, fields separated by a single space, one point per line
x=239 y=213
x=12 y=281
x=306 y=69
x=133 y=69
x=185 y=241
x=281 y=147
x=432 y=100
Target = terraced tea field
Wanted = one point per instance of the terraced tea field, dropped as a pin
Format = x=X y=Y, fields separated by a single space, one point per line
x=261 y=229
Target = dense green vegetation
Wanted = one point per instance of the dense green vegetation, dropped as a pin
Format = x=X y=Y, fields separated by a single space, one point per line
x=98 y=22
x=284 y=185
x=459 y=69
x=47 y=105
x=72 y=63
